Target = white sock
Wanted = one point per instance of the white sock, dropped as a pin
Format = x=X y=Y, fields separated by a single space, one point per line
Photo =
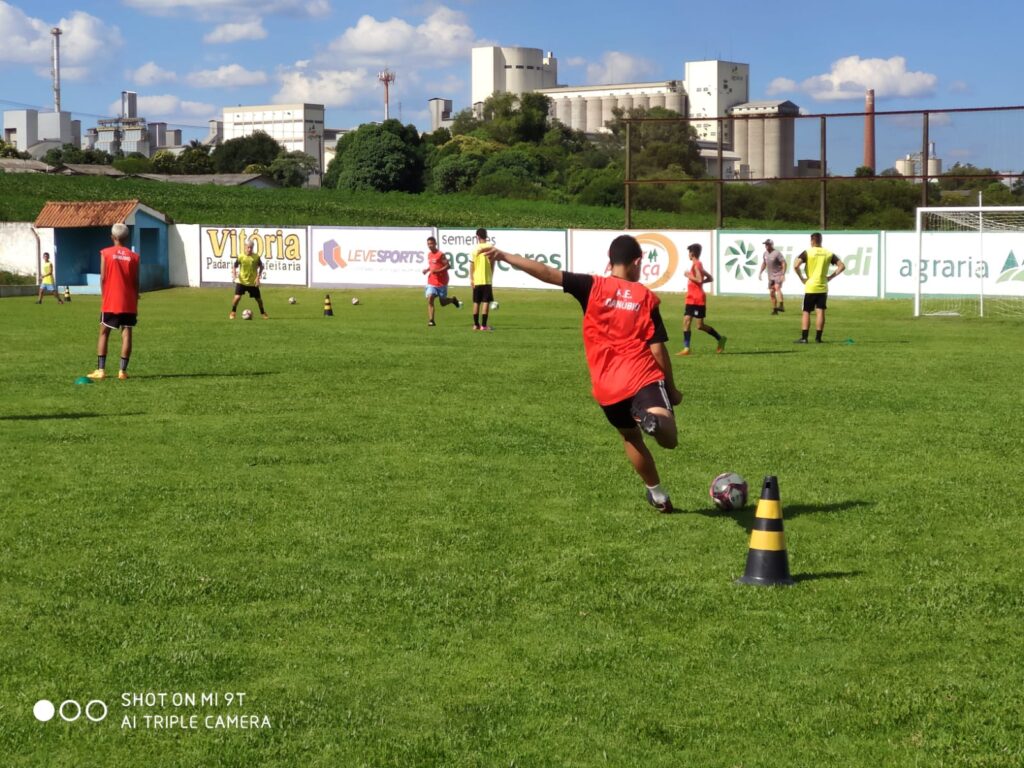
x=657 y=493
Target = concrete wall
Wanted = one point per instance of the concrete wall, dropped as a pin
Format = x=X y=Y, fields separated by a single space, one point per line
x=22 y=247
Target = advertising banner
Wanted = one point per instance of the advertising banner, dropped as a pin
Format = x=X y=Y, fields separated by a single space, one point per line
x=368 y=256
x=283 y=252
x=548 y=246
x=665 y=260
x=740 y=254
x=956 y=263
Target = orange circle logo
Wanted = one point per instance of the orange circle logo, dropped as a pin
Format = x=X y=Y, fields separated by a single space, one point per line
x=659 y=261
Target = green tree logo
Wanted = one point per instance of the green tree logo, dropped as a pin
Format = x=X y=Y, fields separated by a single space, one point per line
x=1011 y=270
x=740 y=260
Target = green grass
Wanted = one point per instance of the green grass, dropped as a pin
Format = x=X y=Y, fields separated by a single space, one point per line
x=424 y=547
x=23 y=195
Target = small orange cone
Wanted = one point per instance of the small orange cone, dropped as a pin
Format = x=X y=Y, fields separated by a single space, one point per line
x=767 y=562
x=328 y=312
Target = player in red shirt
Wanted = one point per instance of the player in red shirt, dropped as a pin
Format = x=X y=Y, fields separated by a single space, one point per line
x=696 y=301
x=437 y=280
x=119 y=284
x=624 y=339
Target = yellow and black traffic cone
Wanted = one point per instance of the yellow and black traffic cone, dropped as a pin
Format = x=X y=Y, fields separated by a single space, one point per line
x=67 y=294
x=767 y=563
x=328 y=312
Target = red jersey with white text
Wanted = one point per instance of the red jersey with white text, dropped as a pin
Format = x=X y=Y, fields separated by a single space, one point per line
x=434 y=260
x=695 y=291
x=120 y=280
x=621 y=320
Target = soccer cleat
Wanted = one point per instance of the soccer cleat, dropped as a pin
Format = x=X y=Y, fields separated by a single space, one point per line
x=664 y=506
x=781 y=308
x=98 y=375
x=684 y=352
x=646 y=420
x=122 y=375
x=232 y=315
x=431 y=323
x=456 y=302
x=775 y=310
x=721 y=344
x=476 y=327
x=800 y=341
x=486 y=328
x=265 y=316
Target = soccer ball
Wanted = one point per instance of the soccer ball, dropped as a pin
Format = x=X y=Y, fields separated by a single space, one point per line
x=247 y=314
x=355 y=300
x=494 y=305
x=728 y=491
x=291 y=299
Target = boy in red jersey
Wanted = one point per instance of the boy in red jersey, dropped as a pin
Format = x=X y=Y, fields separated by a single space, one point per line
x=119 y=284
x=437 y=280
x=624 y=338
x=697 y=302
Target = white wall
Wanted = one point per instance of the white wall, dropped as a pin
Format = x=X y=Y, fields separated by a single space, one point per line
x=183 y=254
x=22 y=247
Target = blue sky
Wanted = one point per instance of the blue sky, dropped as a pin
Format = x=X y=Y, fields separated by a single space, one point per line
x=188 y=59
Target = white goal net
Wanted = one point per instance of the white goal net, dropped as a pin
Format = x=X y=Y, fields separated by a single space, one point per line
x=970 y=262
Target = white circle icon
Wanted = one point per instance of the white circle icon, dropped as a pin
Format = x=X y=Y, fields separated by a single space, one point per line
x=43 y=710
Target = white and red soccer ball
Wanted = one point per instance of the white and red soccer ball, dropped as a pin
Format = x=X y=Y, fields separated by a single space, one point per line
x=728 y=491
x=247 y=314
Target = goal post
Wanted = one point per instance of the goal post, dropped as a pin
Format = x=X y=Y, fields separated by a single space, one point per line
x=970 y=261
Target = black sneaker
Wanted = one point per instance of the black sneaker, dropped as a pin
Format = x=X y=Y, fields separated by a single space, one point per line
x=781 y=308
x=775 y=311
x=646 y=420
x=800 y=341
x=431 y=323
x=664 y=507
x=457 y=303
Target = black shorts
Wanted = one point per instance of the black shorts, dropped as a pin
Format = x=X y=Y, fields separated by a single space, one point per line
x=814 y=301
x=252 y=290
x=117 y=320
x=696 y=310
x=620 y=414
x=482 y=294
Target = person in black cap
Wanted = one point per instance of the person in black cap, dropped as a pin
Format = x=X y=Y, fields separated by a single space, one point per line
x=775 y=263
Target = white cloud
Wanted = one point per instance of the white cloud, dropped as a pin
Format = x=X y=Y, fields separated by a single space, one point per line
x=851 y=76
x=618 y=67
x=151 y=74
x=228 y=76
x=232 y=33
x=443 y=36
x=167 y=105
x=226 y=8
x=781 y=85
x=332 y=88
x=85 y=40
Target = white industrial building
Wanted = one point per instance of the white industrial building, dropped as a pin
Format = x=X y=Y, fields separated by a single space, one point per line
x=35 y=132
x=510 y=70
x=760 y=144
x=296 y=127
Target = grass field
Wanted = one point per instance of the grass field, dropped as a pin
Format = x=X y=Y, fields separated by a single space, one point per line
x=413 y=546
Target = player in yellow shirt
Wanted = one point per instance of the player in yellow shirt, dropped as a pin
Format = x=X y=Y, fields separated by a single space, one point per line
x=816 y=261
x=481 y=275
x=46 y=282
x=247 y=272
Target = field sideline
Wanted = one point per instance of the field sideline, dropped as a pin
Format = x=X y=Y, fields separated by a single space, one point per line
x=413 y=546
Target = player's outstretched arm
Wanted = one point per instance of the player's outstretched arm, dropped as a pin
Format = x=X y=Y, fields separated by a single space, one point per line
x=542 y=272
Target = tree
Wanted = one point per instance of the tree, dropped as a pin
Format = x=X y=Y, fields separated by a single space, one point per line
x=9 y=150
x=195 y=160
x=234 y=154
x=292 y=169
x=385 y=157
x=134 y=163
x=165 y=162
